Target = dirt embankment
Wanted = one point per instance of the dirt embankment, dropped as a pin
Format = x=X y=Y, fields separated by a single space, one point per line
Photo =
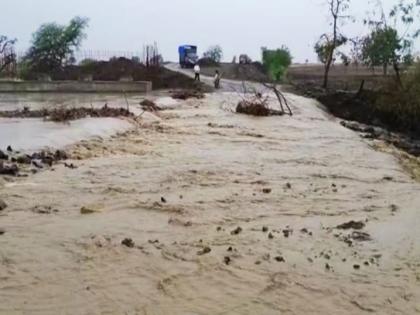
x=121 y=69
x=360 y=113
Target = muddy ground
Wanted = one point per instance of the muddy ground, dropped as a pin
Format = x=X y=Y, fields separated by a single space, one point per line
x=199 y=210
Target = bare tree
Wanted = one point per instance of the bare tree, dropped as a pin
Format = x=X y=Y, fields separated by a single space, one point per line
x=336 y=10
x=7 y=53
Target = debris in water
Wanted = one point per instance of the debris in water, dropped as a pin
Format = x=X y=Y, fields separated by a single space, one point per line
x=163 y=199
x=24 y=159
x=287 y=232
x=2 y=231
x=236 y=231
x=204 y=251
x=227 y=260
x=3 y=205
x=9 y=148
x=357 y=267
x=360 y=236
x=256 y=108
x=288 y=186
x=63 y=114
x=11 y=170
x=3 y=156
x=267 y=190
x=71 y=166
x=356 y=225
x=128 y=242
x=149 y=106
x=90 y=209
x=186 y=94
x=265 y=229
x=270 y=236
x=280 y=259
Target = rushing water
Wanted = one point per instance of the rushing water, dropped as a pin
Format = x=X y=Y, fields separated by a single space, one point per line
x=216 y=171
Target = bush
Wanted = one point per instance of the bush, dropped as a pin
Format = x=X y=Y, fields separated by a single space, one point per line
x=276 y=62
x=400 y=106
x=207 y=62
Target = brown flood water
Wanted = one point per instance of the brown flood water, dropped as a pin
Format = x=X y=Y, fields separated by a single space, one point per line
x=55 y=260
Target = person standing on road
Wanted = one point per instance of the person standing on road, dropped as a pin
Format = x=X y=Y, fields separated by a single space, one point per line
x=197 y=72
x=217 y=79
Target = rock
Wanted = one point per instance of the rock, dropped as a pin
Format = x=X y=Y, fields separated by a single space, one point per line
x=279 y=259
x=204 y=251
x=357 y=267
x=270 y=236
x=163 y=199
x=9 y=148
x=304 y=230
x=236 y=231
x=90 y=209
x=3 y=205
x=356 y=225
x=267 y=190
x=327 y=266
x=227 y=260
x=288 y=186
x=3 y=156
x=230 y=249
x=265 y=229
x=128 y=242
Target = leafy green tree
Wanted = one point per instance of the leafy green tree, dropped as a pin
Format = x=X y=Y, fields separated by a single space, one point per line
x=386 y=45
x=53 y=45
x=382 y=47
x=214 y=53
x=276 y=62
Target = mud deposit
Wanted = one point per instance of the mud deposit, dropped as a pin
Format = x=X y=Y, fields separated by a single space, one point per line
x=201 y=210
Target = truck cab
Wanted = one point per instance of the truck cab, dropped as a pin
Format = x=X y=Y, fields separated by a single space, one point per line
x=187 y=56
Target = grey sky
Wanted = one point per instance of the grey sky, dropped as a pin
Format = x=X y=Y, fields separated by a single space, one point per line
x=239 y=26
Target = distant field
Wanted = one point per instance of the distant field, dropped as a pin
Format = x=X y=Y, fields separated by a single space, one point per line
x=341 y=77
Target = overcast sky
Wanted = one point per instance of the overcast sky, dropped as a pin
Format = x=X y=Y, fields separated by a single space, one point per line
x=239 y=26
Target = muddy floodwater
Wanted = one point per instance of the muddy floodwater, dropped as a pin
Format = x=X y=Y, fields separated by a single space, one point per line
x=198 y=210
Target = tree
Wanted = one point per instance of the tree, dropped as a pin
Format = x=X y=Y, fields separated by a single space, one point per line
x=7 y=53
x=53 y=45
x=382 y=48
x=276 y=61
x=214 y=53
x=326 y=49
x=328 y=43
x=386 y=44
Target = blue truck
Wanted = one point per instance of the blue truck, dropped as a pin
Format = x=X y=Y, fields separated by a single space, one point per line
x=187 y=56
